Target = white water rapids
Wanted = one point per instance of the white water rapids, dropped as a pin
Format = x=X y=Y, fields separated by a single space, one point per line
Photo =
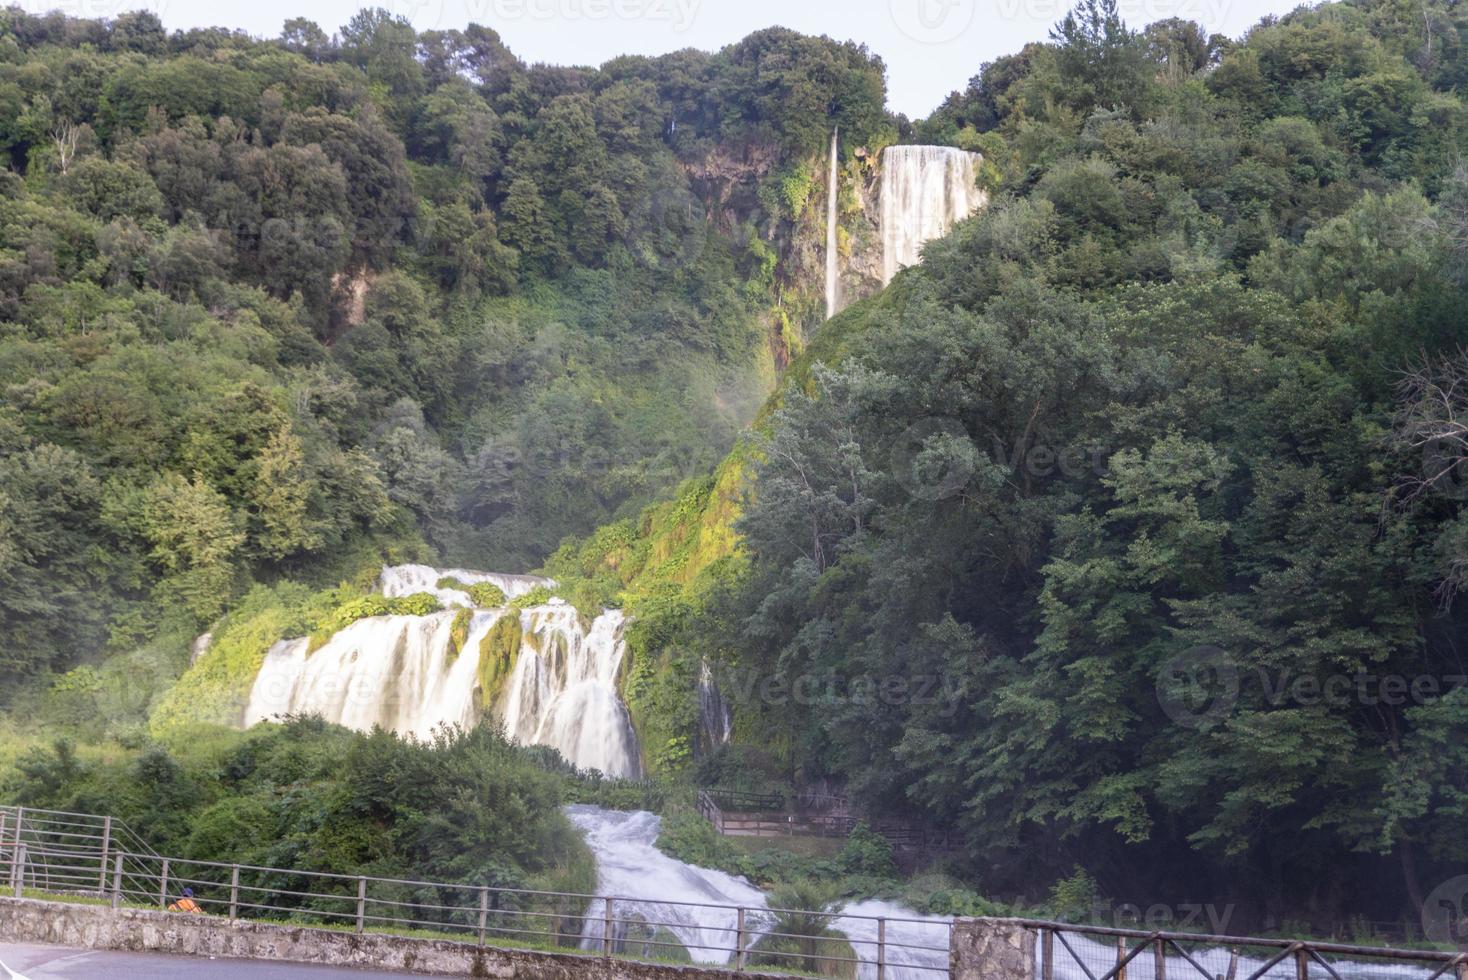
x=925 y=191
x=699 y=906
x=401 y=673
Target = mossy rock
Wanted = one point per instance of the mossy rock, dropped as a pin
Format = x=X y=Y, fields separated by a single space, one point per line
x=498 y=652
x=459 y=633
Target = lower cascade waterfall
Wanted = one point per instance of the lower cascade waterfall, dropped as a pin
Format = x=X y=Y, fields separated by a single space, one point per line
x=925 y=190
x=554 y=678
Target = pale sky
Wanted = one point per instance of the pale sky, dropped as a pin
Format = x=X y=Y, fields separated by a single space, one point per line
x=930 y=47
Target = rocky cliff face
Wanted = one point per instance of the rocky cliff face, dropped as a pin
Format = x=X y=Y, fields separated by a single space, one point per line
x=728 y=180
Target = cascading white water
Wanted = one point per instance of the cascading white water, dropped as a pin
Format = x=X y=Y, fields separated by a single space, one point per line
x=401 y=580
x=925 y=191
x=714 y=716
x=564 y=689
x=401 y=673
x=832 y=278
x=631 y=867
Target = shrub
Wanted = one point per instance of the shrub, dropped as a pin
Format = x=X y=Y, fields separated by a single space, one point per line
x=537 y=596
x=486 y=595
x=867 y=853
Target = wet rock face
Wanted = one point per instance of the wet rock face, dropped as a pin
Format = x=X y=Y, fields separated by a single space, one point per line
x=992 y=949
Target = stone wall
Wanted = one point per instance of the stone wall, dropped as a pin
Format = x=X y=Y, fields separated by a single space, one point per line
x=983 y=949
x=992 y=949
x=135 y=930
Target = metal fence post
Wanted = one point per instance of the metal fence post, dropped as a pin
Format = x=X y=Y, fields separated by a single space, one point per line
x=234 y=893
x=606 y=939
x=19 y=851
x=483 y=913
x=361 y=905
x=163 y=886
x=117 y=882
x=106 y=848
x=739 y=942
x=881 y=949
x=17 y=870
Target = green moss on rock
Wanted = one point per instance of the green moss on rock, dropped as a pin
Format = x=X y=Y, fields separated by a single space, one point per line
x=459 y=633
x=498 y=652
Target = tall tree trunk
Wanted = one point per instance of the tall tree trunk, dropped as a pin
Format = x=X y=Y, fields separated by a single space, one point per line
x=1408 y=858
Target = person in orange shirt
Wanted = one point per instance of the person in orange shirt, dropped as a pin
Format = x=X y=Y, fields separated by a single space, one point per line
x=186 y=904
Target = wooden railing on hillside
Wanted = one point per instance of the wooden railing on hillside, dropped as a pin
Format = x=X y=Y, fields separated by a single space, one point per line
x=714 y=806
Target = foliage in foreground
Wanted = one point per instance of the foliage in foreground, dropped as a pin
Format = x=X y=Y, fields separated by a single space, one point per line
x=467 y=807
x=1145 y=405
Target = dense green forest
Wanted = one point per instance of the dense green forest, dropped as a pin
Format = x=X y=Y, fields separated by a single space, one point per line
x=1184 y=402
x=1181 y=405
x=280 y=309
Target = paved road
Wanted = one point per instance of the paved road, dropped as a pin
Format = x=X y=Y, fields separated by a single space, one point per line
x=19 y=962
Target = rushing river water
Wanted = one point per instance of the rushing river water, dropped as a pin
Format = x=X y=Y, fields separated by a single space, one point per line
x=699 y=905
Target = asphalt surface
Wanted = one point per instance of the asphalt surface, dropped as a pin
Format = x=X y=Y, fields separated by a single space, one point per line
x=23 y=962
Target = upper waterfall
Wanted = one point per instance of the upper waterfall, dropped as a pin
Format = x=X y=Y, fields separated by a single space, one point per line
x=548 y=676
x=925 y=191
x=832 y=274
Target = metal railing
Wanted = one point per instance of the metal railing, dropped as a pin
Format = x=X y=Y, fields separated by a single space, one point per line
x=78 y=848
x=1077 y=952
x=763 y=823
x=51 y=854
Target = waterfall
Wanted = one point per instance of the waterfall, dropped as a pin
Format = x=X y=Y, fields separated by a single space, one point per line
x=925 y=190
x=832 y=278
x=697 y=905
x=714 y=716
x=405 y=674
